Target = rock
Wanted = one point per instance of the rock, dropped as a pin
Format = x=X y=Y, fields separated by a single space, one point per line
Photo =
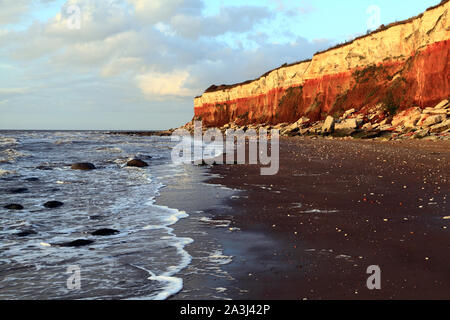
x=441 y=127
x=367 y=127
x=328 y=126
x=137 y=163
x=442 y=105
x=53 y=204
x=435 y=111
x=14 y=206
x=348 y=124
x=26 y=233
x=76 y=243
x=348 y=113
x=44 y=168
x=18 y=190
x=408 y=118
x=421 y=134
x=105 y=232
x=32 y=179
x=432 y=120
x=83 y=166
x=303 y=120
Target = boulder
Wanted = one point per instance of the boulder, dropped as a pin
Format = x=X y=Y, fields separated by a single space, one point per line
x=26 y=233
x=408 y=118
x=348 y=113
x=44 y=168
x=137 y=163
x=432 y=120
x=83 y=166
x=441 y=127
x=435 y=111
x=421 y=134
x=14 y=206
x=18 y=190
x=303 y=120
x=53 y=204
x=348 y=124
x=76 y=243
x=328 y=126
x=442 y=105
x=105 y=232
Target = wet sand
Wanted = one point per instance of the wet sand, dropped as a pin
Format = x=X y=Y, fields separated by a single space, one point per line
x=335 y=208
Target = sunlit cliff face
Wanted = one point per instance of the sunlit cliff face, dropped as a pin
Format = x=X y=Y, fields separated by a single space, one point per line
x=407 y=61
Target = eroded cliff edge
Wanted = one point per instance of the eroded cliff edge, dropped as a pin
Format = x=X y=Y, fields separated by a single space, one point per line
x=404 y=64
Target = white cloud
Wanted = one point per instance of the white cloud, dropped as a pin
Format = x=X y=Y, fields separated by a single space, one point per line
x=12 y=10
x=165 y=84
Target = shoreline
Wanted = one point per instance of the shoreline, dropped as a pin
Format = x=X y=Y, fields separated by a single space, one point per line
x=311 y=231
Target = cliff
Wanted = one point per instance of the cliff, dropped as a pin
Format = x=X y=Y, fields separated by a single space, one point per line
x=403 y=64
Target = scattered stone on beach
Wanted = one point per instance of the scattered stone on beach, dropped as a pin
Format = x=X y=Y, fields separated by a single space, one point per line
x=18 y=190
x=328 y=126
x=442 y=105
x=432 y=120
x=348 y=124
x=53 y=204
x=441 y=127
x=76 y=243
x=26 y=233
x=137 y=163
x=83 y=166
x=105 y=232
x=14 y=206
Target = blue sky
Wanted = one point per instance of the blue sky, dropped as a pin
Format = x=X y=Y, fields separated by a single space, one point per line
x=137 y=64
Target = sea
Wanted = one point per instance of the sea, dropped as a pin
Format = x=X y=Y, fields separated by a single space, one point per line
x=143 y=261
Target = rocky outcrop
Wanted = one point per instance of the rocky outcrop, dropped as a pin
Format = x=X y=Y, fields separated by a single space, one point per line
x=368 y=123
x=399 y=66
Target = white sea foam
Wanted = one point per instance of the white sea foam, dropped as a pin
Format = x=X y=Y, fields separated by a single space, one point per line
x=5 y=172
x=110 y=150
x=218 y=257
x=216 y=223
x=320 y=211
x=5 y=141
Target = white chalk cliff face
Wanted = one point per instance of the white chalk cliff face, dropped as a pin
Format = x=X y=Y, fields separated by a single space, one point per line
x=405 y=58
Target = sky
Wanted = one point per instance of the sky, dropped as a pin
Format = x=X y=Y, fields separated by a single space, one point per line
x=138 y=64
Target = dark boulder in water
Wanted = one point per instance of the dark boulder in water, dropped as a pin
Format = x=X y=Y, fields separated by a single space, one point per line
x=32 y=179
x=45 y=168
x=105 y=232
x=14 y=206
x=26 y=233
x=83 y=166
x=18 y=190
x=137 y=163
x=76 y=243
x=53 y=204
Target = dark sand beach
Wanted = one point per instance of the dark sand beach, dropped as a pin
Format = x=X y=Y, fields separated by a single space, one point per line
x=335 y=208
